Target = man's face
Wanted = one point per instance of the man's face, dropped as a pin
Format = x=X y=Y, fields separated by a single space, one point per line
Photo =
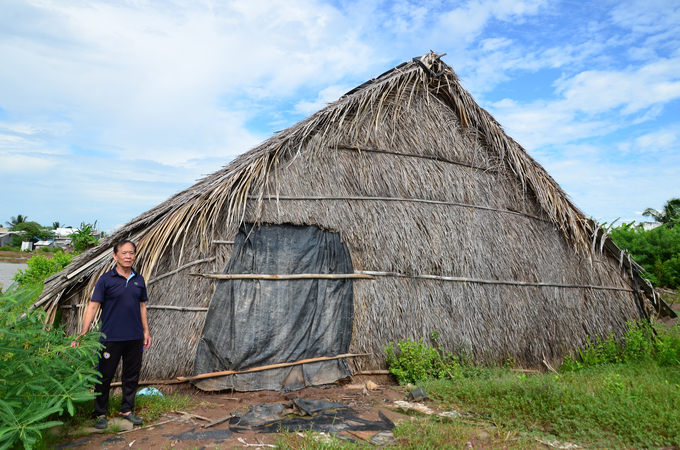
x=125 y=256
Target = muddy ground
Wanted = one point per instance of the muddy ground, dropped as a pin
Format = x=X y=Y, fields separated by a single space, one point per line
x=370 y=414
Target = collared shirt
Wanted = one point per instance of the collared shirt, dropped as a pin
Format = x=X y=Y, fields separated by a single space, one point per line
x=120 y=299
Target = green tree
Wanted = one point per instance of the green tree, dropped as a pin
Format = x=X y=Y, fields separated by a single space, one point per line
x=14 y=221
x=669 y=215
x=657 y=251
x=32 y=231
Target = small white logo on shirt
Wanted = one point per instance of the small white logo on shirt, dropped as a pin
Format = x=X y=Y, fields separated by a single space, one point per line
x=135 y=283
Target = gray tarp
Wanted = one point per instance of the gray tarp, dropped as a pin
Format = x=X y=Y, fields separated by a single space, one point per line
x=253 y=323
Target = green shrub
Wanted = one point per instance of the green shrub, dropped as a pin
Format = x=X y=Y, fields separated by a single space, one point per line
x=41 y=267
x=627 y=405
x=9 y=248
x=42 y=375
x=638 y=345
x=412 y=362
x=657 y=250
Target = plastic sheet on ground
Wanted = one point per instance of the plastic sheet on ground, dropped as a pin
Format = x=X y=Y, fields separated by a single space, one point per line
x=319 y=416
x=201 y=435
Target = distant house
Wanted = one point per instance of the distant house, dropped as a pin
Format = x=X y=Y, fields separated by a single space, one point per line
x=61 y=236
x=40 y=244
x=5 y=237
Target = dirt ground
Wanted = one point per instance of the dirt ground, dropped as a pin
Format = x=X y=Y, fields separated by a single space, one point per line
x=188 y=432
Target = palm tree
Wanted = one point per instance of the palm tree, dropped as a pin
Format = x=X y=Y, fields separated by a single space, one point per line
x=14 y=221
x=669 y=215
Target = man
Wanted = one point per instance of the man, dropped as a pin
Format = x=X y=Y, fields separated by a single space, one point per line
x=121 y=294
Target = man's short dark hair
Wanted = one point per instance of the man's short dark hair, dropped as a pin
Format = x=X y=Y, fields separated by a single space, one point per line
x=121 y=243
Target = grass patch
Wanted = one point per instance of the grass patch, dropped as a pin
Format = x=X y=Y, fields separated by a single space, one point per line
x=614 y=405
x=419 y=433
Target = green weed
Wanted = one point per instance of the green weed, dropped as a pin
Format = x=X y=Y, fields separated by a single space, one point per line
x=412 y=362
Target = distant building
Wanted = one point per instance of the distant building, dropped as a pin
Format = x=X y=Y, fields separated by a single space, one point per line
x=40 y=244
x=61 y=236
x=5 y=237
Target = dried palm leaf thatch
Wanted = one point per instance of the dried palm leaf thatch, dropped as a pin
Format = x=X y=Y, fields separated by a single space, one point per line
x=418 y=180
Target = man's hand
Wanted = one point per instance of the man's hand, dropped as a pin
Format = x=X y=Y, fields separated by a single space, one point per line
x=76 y=342
x=147 y=340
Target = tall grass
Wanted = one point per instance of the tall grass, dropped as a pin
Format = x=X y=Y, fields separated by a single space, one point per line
x=612 y=394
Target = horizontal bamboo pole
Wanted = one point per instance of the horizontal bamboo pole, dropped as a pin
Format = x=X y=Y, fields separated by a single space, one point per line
x=222 y=242
x=174 y=308
x=295 y=276
x=413 y=155
x=271 y=366
x=177 y=308
x=397 y=199
x=506 y=282
x=373 y=372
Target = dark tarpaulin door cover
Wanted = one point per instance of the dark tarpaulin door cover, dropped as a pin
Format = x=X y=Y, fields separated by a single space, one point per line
x=252 y=323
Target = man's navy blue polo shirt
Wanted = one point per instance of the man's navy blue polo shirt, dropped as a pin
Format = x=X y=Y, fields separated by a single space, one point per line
x=120 y=299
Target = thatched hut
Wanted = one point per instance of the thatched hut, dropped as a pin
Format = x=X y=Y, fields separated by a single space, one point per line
x=404 y=181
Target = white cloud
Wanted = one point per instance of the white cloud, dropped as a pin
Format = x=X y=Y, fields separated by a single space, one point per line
x=592 y=103
x=23 y=165
x=607 y=188
x=139 y=98
x=661 y=140
x=328 y=95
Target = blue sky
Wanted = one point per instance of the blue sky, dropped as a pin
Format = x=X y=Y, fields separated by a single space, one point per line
x=107 y=108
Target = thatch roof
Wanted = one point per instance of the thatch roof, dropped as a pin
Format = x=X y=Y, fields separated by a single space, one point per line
x=426 y=188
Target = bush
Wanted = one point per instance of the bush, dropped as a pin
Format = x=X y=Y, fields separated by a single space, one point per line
x=42 y=375
x=657 y=250
x=412 y=362
x=639 y=344
x=41 y=267
x=9 y=248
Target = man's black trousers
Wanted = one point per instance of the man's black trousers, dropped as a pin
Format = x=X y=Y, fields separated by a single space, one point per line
x=131 y=352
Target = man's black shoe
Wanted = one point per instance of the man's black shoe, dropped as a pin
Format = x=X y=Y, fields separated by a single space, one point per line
x=100 y=423
x=136 y=420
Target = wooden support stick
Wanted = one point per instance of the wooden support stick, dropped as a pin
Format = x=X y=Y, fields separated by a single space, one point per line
x=148 y=426
x=296 y=276
x=373 y=372
x=187 y=415
x=149 y=382
x=271 y=366
x=217 y=422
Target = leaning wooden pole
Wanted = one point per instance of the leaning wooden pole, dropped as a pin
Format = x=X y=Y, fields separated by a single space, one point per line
x=271 y=366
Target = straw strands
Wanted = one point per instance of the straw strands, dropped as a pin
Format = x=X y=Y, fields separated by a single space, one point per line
x=418 y=180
